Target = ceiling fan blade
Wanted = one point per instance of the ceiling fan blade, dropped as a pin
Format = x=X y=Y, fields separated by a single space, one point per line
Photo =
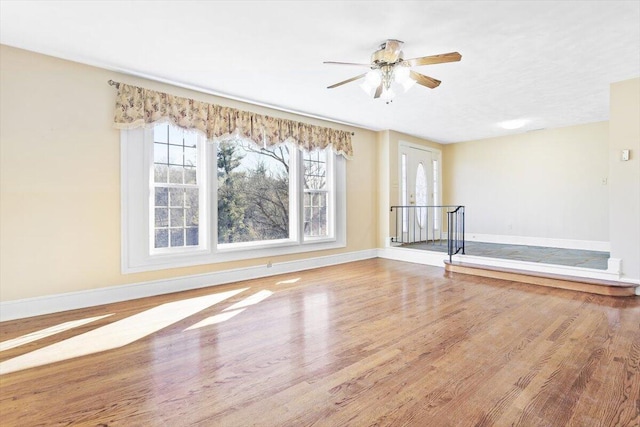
x=392 y=50
x=378 y=91
x=433 y=59
x=423 y=80
x=347 y=81
x=346 y=63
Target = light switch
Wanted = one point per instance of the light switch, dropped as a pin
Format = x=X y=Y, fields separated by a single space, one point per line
x=625 y=155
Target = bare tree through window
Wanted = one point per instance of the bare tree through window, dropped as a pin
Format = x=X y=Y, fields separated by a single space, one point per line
x=253 y=192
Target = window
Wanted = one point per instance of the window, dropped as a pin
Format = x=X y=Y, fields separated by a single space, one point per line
x=253 y=192
x=436 y=193
x=403 y=193
x=316 y=194
x=421 y=195
x=175 y=187
x=186 y=201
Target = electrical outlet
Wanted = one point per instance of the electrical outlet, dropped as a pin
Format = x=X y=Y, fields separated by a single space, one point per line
x=269 y=264
x=604 y=181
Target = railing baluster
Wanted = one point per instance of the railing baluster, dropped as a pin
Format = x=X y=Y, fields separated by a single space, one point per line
x=397 y=225
x=409 y=221
x=463 y=230
x=414 y=227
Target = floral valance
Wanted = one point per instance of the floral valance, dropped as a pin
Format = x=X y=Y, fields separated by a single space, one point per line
x=139 y=107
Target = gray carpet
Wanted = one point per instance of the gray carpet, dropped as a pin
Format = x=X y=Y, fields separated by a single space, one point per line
x=571 y=257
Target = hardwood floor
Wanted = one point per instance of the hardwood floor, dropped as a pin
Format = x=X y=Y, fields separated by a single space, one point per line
x=374 y=342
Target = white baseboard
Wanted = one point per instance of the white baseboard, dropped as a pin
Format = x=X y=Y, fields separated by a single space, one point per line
x=633 y=282
x=417 y=256
x=18 y=309
x=585 y=245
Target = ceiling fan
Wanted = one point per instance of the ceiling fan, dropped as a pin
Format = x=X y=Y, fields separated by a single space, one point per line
x=388 y=67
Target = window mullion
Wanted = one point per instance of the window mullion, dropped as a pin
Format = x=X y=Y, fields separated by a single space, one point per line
x=169 y=185
x=212 y=180
x=300 y=196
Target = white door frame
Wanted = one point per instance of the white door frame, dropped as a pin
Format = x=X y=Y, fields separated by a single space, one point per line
x=411 y=229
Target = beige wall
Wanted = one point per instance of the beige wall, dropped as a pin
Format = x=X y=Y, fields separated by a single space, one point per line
x=545 y=184
x=624 y=213
x=60 y=171
x=384 y=184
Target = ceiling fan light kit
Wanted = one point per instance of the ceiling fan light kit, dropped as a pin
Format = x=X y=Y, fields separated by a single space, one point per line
x=371 y=81
x=389 y=68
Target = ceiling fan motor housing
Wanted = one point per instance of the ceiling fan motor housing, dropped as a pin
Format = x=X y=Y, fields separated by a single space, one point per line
x=388 y=53
x=382 y=57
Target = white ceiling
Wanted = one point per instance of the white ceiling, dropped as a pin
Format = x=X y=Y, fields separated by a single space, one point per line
x=550 y=62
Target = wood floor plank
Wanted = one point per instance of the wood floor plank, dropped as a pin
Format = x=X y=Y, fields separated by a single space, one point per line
x=374 y=342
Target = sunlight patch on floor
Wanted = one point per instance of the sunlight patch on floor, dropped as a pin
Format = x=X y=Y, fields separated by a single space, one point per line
x=288 y=282
x=218 y=318
x=43 y=333
x=253 y=299
x=116 y=334
x=232 y=310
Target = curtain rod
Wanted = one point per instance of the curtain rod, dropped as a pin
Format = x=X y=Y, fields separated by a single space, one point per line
x=117 y=85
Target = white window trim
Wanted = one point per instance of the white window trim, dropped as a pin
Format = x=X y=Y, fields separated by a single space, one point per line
x=136 y=255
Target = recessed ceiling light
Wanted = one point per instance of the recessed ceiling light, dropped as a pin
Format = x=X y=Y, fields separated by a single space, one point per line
x=513 y=124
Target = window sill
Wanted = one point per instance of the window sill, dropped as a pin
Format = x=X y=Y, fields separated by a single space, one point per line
x=189 y=259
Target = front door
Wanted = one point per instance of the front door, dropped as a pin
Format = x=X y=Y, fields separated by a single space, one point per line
x=416 y=189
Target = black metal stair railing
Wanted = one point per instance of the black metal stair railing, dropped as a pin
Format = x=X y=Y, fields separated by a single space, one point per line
x=429 y=227
x=455 y=231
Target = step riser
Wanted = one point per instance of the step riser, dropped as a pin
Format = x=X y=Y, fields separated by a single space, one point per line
x=543 y=281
